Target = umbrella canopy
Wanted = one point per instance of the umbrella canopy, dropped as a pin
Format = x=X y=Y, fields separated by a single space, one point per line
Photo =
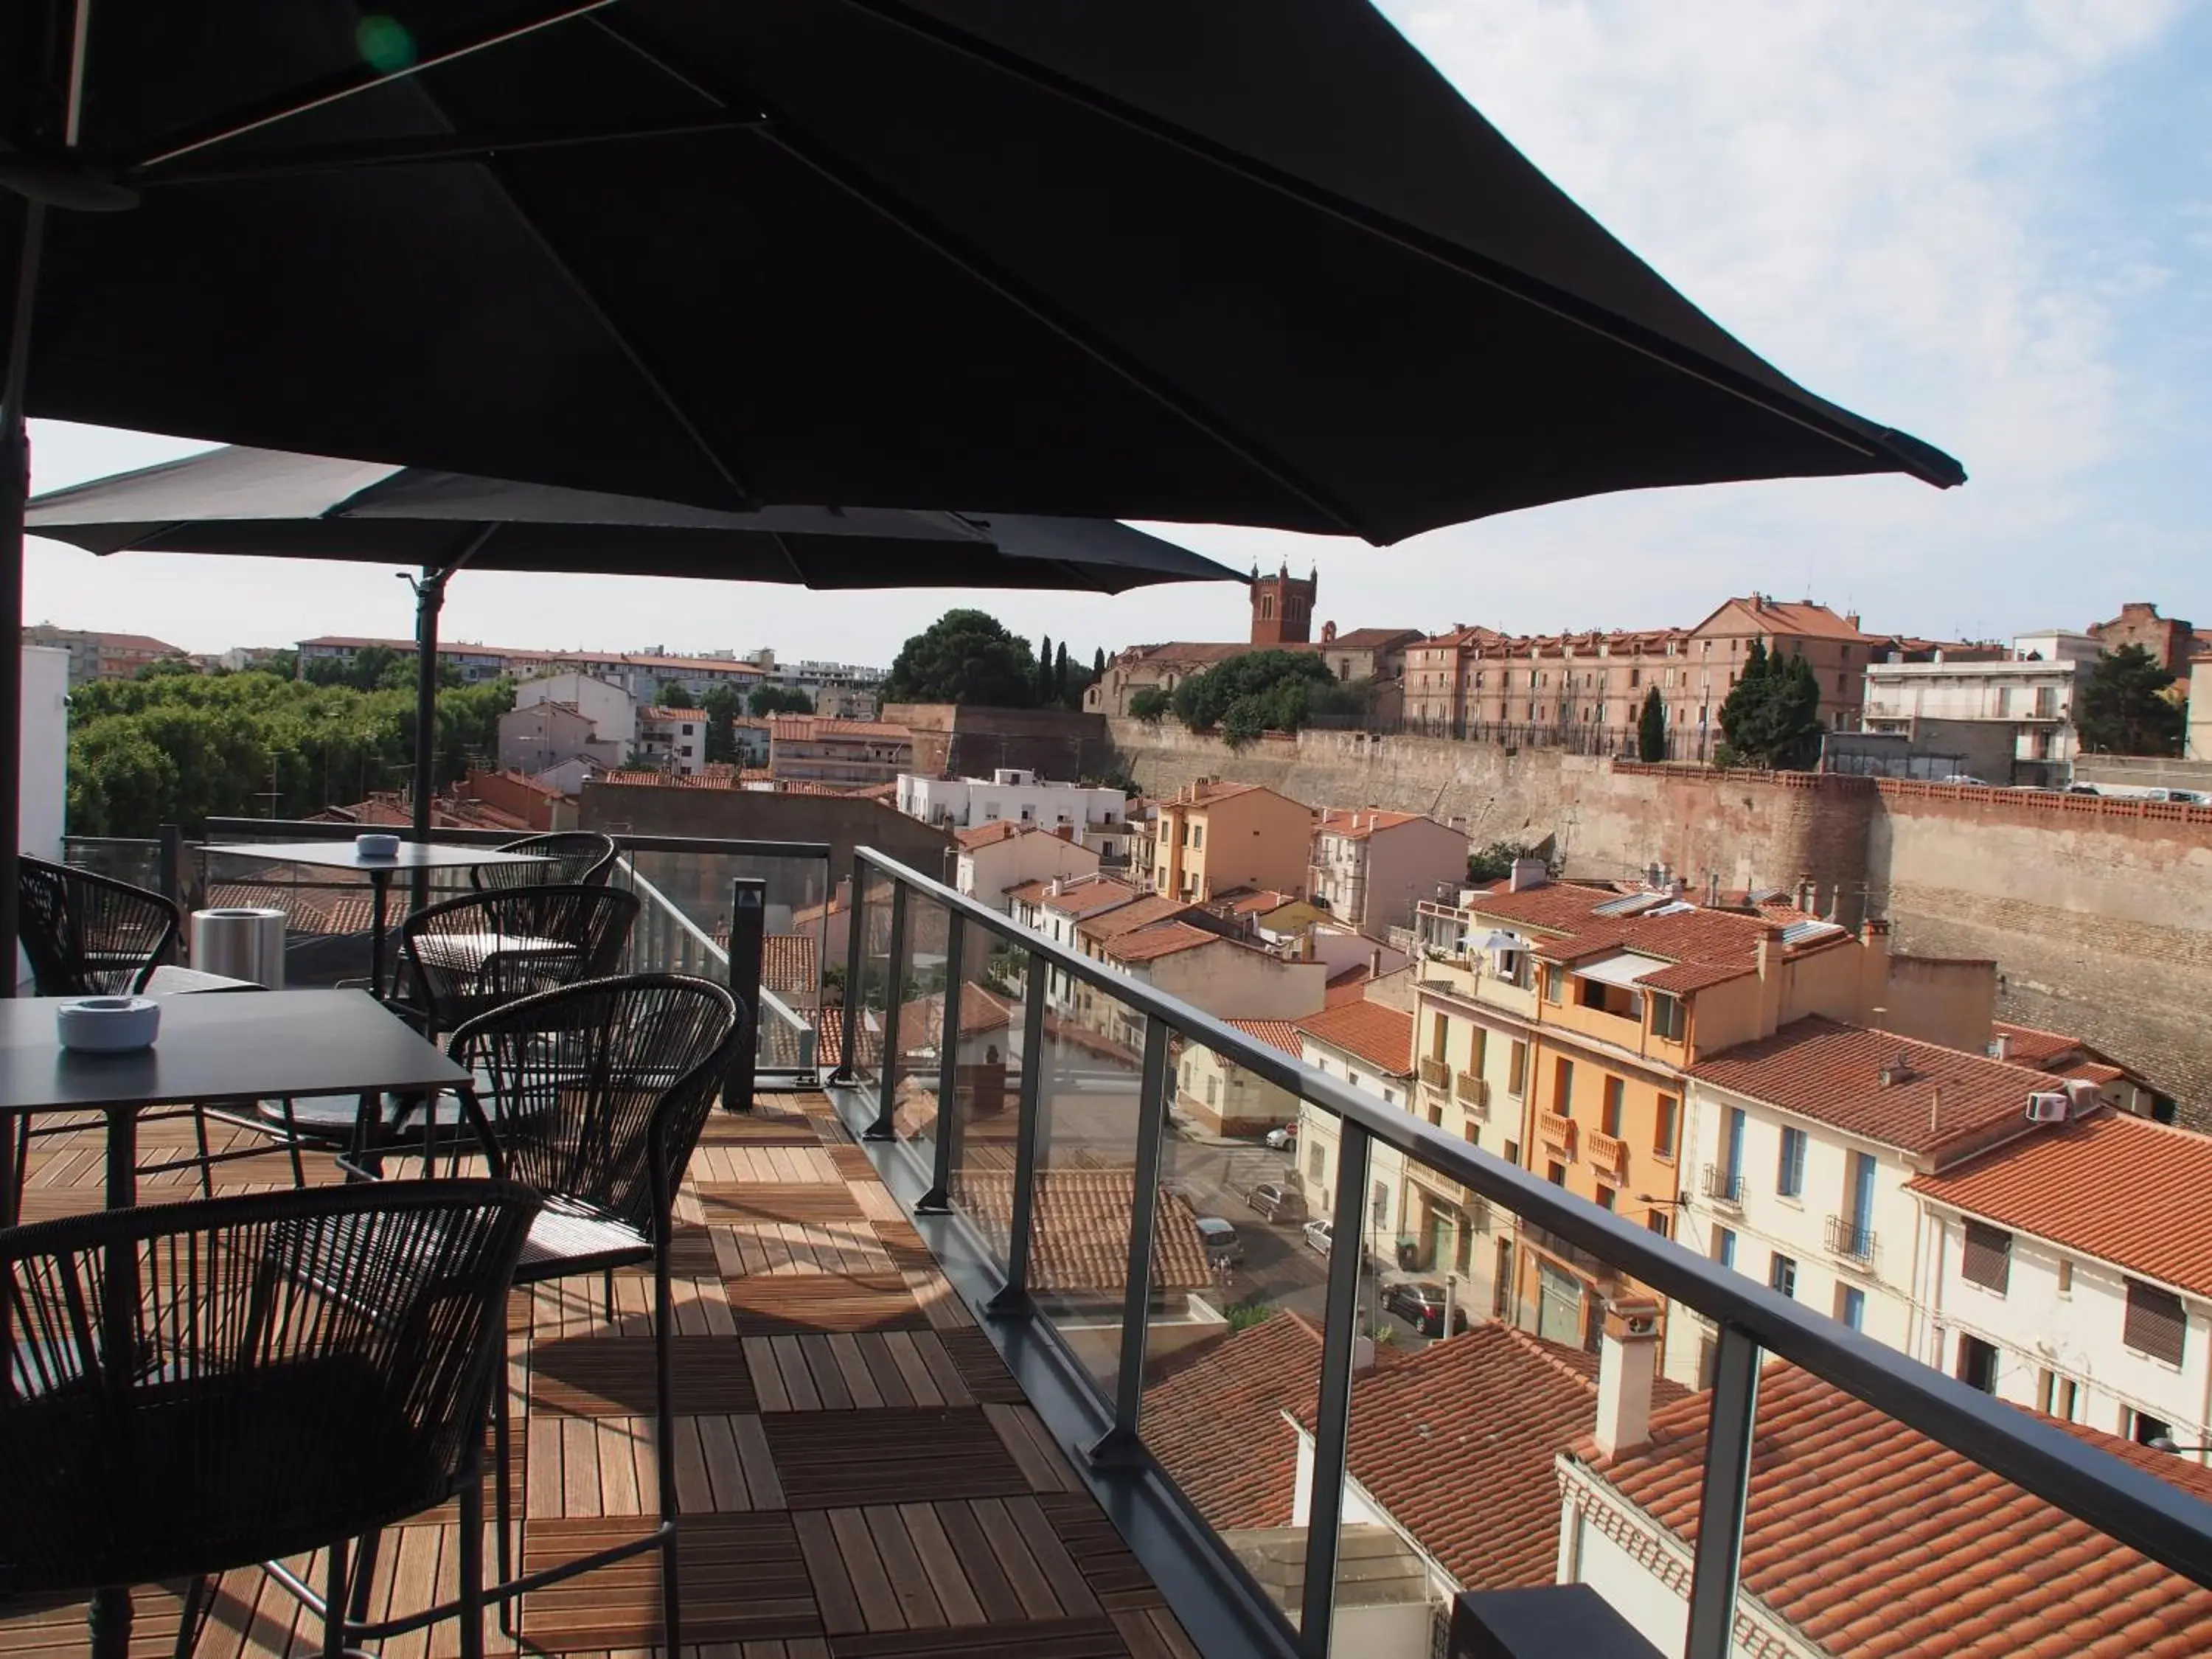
x=1155 y=260
x=241 y=500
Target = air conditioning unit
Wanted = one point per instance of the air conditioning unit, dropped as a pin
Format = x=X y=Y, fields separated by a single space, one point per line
x=2081 y=1097
x=2047 y=1106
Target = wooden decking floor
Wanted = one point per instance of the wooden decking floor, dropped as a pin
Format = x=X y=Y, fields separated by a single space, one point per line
x=860 y=1475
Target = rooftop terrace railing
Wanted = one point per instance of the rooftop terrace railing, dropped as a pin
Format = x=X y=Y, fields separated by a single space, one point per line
x=1039 y=1148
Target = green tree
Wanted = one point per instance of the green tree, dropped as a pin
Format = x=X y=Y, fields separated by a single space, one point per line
x=1060 y=674
x=1044 y=670
x=722 y=705
x=1652 y=729
x=1495 y=862
x=1771 y=718
x=1149 y=704
x=768 y=699
x=674 y=694
x=1098 y=664
x=1262 y=690
x=2120 y=710
x=965 y=656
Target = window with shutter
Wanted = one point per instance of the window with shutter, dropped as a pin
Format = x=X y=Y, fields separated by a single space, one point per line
x=1989 y=1256
x=2155 y=1324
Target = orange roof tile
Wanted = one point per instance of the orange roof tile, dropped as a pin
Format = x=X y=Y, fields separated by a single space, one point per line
x=1276 y=1033
x=1356 y=825
x=1378 y=1034
x=1128 y=918
x=1080 y=1237
x=1874 y=1540
x=2123 y=1189
x=986 y=834
x=1458 y=1444
x=2026 y=1045
x=1214 y=1420
x=1823 y=1069
x=1165 y=939
x=1088 y=896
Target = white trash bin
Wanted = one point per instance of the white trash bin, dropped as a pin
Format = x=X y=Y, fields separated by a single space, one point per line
x=240 y=943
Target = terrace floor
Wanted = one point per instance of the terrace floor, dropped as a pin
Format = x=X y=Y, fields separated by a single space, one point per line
x=860 y=1477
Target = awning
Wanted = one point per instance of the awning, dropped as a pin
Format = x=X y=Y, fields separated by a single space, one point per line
x=1622 y=967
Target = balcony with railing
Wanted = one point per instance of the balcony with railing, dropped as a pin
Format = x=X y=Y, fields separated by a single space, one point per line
x=1722 y=1187
x=1436 y=1074
x=1065 y=1209
x=1473 y=1094
x=1557 y=1131
x=1607 y=1154
x=1851 y=1240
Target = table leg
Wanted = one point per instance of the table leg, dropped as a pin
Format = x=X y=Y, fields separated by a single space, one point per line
x=108 y=1621
x=381 y=880
x=108 y=1618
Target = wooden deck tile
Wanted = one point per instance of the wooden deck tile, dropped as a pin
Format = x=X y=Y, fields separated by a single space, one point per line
x=859 y=1473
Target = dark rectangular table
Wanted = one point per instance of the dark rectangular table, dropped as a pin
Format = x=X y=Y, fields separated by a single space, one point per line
x=245 y=1045
x=344 y=855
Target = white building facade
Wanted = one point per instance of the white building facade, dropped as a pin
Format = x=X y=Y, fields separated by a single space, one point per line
x=2034 y=693
x=991 y=864
x=1014 y=795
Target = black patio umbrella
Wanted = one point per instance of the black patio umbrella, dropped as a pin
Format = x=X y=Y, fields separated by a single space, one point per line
x=1251 y=261
x=260 y=502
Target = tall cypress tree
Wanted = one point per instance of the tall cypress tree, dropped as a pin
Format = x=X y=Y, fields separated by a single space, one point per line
x=1060 y=674
x=1652 y=729
x=1044 y=670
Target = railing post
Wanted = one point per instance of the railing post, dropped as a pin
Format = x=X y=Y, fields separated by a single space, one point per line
x=1727 y=1491
x=937 y=1200
x=748 y=917
x=884 y=1127
x=847 y=1072
x=1118 y=1445
x=171 y=872
x=1012 y=1300
x=1333 y=1418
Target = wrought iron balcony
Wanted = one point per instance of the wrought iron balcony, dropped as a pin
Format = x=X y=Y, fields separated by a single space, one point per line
x=1066 y=1216
x=1436 y=1074
x=1473 y=1092
x=1847 y=1239
x=1720 y=1187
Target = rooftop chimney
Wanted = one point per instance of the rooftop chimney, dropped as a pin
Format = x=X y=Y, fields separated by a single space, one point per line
x=1805 y=894
x=2000 y=1046
x=1712 y=890
x=1527 y=873
x=1627 y=1360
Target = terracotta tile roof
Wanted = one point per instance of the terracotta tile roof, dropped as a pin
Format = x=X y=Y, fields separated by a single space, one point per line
x=1365 y=639
x=1358 y=824
x=663 y=715
x=640 y=778
x=1276 y=1033
x=1165 y=939
x=1874 y=1540
x=1142 y=912
x=1080 y=1241
x=820 y=728
x=790 y=962
x=1782 y=616
x=2027 y=1046
x=921 y=1020
x=2123 y=1189
x=1458 y=1444
x=2092 y=1070
x=1350 y=986
x=987 y=835
x=1214 y=1420
x=875 y=792
x=1380 y=1035
x=1088 y=896
x=1258 y=902
x=1823 y=1069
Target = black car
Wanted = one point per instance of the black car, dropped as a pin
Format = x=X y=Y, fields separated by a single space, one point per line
x=1273 y=1200
x=1420 y=1303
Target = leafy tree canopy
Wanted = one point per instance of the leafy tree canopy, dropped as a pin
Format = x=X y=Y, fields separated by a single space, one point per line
x=180 y=749
x=965 y=656
x=1149 y=704
x=2123 y=708
x=1771 y=718
x=1495 y=862
x=768 y=699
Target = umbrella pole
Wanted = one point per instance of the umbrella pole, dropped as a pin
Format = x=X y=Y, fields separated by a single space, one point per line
x=429 y=599
x=15 y=490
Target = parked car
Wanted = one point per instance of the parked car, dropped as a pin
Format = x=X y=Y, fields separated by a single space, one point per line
x=1223 y=1249
x=1276 y=1201
x=1318 y=1234
x=1420 y=1303
x=1968 y=780
x=1281 y=1138
x=2083 y=789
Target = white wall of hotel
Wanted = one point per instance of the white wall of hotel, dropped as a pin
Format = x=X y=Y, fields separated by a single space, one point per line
x=2045 y=1335
x=1767 y=1224
x=985 y=872
x=1643 y=1570
x=1010 y=795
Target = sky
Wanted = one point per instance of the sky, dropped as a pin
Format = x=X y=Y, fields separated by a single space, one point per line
x=1988 y=222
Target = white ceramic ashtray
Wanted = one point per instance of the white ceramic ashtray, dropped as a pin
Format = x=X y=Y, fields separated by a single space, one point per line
x=377 y=847
x=107 y=1025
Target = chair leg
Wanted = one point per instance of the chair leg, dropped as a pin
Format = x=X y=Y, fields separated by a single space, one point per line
x=503 y=1503
x=607 y=1293
x=364 y=1578
x=471 y=1565
x=664 y=1326
x=292 y=1144
x=334 y=1602
x=200 y=1135
x=197 y=1594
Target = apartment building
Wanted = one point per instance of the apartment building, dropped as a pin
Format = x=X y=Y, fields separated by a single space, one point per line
x=1214 y=838
x=674 y=738
x=1370 y=1046
x=1097 y=816
x=2070 y=1270
x=475 y=663
x=1370 y=868
x=1558 y=1026
x=808 y=749
x=2027 y=699
x=1801 y=1151
x=1224 y=1097
x=995 y=858
x=1222 y=976
x=95 y=655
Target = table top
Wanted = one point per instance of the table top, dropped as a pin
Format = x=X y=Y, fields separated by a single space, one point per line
x=344 y=855
x=250 y=1044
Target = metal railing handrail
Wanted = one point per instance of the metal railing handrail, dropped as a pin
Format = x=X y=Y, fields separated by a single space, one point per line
x=318 y=830
x=2130 y=1505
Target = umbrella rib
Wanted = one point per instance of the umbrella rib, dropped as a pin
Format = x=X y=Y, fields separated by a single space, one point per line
x=425 y=151
x=302 y=99
x=1529 y=290
x=809 y=153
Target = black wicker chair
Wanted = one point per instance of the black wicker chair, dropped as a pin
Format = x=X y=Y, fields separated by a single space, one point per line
x=302 y=1368
x=595 y=1096
x=466 y=956
x=92 y=935
x=576 y=858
